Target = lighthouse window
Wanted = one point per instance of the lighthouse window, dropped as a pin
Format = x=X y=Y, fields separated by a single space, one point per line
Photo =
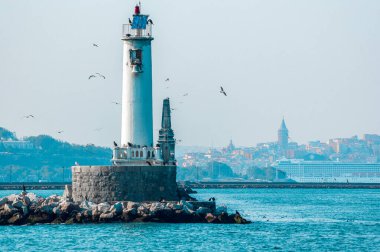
x=136 y=57
x=141 y=154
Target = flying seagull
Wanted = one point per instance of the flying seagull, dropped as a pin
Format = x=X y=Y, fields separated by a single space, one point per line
x=101 y=76
x=222 y=91
x=186 y=94
x=115 y=144
x=91 y=76
x=167 y=79
x=150 y=21
x=116 y=103
x=59 y=132
x=29 y=116
x=95 y=45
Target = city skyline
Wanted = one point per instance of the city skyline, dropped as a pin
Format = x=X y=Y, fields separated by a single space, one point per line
x=308 y=62
x=278 y=139
x=231 y=141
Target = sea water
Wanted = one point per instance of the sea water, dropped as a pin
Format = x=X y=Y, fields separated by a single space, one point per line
x=283 y=220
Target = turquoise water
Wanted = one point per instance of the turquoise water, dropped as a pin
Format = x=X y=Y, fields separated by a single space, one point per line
x=284 y=220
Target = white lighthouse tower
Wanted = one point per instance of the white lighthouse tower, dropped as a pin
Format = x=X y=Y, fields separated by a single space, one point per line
x=137 y=114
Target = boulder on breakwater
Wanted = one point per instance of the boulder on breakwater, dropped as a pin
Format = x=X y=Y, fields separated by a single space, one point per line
x=28 y=208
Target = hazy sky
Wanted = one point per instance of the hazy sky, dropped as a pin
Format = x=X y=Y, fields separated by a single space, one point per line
x=315 y=62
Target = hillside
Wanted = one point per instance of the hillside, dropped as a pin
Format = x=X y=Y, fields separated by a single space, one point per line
x=44 y=158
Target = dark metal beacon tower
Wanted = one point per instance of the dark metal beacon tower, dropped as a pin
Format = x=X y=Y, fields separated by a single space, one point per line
x=166 y=135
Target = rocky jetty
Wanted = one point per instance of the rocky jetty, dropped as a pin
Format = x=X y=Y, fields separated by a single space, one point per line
x=28 y=208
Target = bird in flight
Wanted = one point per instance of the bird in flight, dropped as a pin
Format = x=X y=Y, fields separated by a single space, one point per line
x=116 y=103
x=95 y=45
x=60 y=132
x=222 y=91
x=114 y=144
x=150 y=21
x=101 y=76
x=186 y=94
x=96 y=75
x=167 y=79
x=29 y=116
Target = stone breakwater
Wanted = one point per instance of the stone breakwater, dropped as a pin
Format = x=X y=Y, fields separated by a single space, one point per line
x=28 y=208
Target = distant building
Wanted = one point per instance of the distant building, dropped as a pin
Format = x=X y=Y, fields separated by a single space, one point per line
x=18 y=145
x=338 y=145
x=284 y=148
x=371 y=138
x=317 y=147
x=230 y=147
x=329 y=171
x=283 y=136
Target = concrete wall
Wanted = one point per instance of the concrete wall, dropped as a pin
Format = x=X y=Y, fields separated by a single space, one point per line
x=124 y=183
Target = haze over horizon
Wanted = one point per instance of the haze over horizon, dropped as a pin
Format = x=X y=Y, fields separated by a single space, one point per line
x=313 y=62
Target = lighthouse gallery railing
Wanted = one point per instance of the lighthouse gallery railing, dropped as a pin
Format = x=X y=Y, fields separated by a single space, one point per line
x=143 y=33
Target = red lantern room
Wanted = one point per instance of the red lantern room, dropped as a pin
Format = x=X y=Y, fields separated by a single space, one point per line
x=137 y=10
